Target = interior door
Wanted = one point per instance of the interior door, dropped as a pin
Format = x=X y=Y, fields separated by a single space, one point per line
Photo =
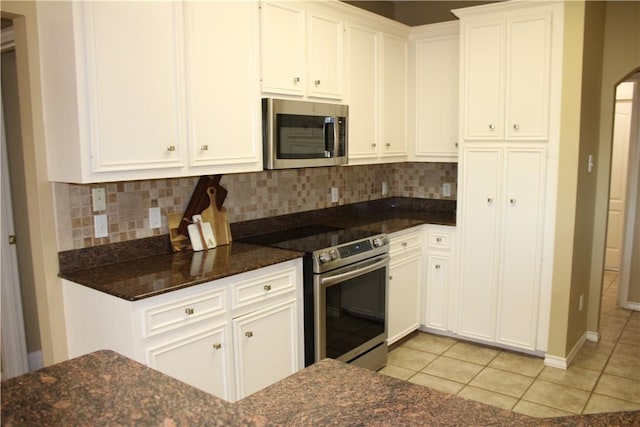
x=618 y=185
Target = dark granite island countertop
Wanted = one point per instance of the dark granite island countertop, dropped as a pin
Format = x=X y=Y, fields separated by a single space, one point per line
x=105 y=388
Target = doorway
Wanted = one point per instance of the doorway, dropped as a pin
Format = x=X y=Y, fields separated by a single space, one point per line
x=622 y=227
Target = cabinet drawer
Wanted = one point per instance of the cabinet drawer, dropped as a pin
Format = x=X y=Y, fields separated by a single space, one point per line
x=405 y=242
x=439 y=239
x=165 y=317
x=263 y=288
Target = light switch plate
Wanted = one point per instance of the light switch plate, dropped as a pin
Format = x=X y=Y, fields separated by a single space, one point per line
x=155 y=220
x=446 y=189
x=101 y=226
x=334 y=194
x=385 y=188
x=99 y=199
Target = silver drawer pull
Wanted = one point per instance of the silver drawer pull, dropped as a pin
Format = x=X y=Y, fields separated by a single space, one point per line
x=405 y=244
x=516 y=126
x=267 y=288
x=189 y=311
x=296 y=79
x=171 y=148
x=512 y=201
x=492 y=126
x=490 y=200
x=373 y=145
x=439 y=239
x=317 y=82
x=248 y=334
x=204 y=147
x=437 y=266
x=390 y=277
x=217 y=346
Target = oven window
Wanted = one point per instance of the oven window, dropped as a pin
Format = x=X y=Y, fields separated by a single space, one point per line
x=355 y=312
x=304 y=137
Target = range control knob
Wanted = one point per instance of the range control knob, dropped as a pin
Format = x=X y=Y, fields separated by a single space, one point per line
x=324 y=257
x=378 y=241
x=334 y=254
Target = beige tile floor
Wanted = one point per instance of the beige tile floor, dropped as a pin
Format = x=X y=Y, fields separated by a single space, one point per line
x=603 y=377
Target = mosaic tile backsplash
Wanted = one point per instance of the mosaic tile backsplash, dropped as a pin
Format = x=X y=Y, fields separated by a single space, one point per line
x=250 y=196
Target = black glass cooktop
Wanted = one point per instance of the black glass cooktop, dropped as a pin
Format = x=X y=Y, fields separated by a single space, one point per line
x=308 y=238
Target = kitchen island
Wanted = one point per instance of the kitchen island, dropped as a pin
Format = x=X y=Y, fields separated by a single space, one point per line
x=105 y=388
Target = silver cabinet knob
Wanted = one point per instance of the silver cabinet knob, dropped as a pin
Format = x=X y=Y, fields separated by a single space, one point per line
x=171 y=148
x=492 y=126
x=388 y=144
x=439 y=239
x=317 y=82
x=404 y=244
x=437 y=266
x=267 y=288
x=490 y=200
x=390 y=277
x=373 y=145
x=457 y=144
x=296 y=79
x=204 y=147
x=217 y=346
x=512 y=201
x=516 y=126
x=189 y=311
x=248 y=334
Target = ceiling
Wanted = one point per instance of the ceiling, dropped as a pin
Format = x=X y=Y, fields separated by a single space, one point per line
x=415 y=12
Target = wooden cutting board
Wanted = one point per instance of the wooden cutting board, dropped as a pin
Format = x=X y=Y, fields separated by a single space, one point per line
x=217 y=217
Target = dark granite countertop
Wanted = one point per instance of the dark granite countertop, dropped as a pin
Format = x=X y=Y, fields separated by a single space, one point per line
x=104 y=388
x=146 y=277
x=146 y=267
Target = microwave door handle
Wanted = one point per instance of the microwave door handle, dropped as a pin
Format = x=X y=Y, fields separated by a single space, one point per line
x=329 y=132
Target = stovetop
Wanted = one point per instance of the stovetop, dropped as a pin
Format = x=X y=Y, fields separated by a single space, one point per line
x=309 y=238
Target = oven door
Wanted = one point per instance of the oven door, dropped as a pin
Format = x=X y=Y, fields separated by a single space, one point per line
x=351 y=309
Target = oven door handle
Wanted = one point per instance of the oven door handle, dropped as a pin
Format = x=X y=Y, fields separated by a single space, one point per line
x=332 y=280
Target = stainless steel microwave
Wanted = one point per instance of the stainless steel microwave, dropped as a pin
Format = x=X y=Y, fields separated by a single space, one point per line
x=300 y=134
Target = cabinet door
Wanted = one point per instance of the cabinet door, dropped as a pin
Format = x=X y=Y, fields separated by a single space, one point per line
x=521 y=247
x=266 y=346
x=202 y=360
x=483 y=83
x=436 y=79
x=394 y=96
x=363 y=78
x=479 y=251
x=134 y=72
x=282 y=46
x=223 y=91
x=325 y=50
x=436 y=298
x=405 y=283
x=527 y=76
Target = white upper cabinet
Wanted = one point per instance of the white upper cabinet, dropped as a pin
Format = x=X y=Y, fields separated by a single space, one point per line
x=506 y=62
x=394 y=96
x=433 y=92
x=377 y=95
x=283 y=47
x=302 y=50
x=325 y=47
x=223 y=94
x=141 y=100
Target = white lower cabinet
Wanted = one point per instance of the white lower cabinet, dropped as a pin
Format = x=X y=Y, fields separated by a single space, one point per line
x=210 y=349
x=229 y=337
x=406 y=275
x=266 y=347
x=439 y=277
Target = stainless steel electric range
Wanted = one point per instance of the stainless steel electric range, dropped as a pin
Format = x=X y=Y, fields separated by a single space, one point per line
x=346 y=283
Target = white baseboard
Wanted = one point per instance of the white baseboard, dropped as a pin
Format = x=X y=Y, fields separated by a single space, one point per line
x=35 y=360
x=564 y=362
x=635 y=306
x=593 y=336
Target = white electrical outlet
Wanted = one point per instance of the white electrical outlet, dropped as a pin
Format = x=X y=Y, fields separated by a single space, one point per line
x=446 y=189
x=101 y=226
x=99 y=199
x=334 y=194
x=155 y=220
x=581 y=302
x=385 y=188
x=590 y=165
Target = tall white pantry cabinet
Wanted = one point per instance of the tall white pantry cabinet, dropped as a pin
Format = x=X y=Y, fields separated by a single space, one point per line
x=510 y=74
